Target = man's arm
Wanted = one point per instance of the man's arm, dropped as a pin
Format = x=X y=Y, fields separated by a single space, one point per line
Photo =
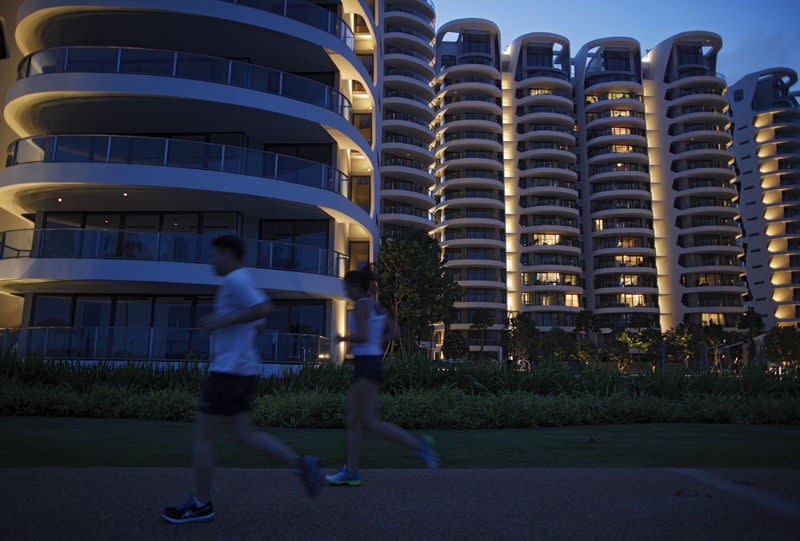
x=258 y=307
x=213 y=322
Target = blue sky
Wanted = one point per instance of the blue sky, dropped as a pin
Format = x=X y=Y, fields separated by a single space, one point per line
x=756 y=34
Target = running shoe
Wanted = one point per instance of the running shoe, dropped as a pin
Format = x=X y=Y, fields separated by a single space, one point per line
x=427 y=453
x=344 y=478
x=310 y=475
x=189 y=511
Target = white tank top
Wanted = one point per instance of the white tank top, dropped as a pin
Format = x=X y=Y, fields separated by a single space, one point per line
x=376 y=326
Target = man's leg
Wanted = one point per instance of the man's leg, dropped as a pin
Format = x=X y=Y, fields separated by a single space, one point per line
x=244 y=432
x=204 y=453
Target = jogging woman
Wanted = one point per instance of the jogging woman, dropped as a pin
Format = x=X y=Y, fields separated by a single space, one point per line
x=369 y=326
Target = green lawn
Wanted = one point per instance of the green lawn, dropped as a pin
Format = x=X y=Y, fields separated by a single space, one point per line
x=35 y=441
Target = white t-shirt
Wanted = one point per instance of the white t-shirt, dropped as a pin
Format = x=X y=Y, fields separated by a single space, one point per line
x=233 y=348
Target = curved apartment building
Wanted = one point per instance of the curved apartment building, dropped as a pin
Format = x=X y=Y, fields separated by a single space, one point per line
x=134 y=149
x=470 y=210
x=620 y=254
x=604 y=181
x=406 y=149
x=695 y=200
x=766 y=117
x=546 y=260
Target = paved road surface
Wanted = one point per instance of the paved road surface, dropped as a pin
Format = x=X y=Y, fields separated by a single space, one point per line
x=118 y=504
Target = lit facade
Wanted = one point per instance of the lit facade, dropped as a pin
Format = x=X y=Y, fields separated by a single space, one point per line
x=131 y=150
x=766 y=142
x=554 y=179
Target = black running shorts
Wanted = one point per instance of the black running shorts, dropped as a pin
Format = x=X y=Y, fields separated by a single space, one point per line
x=369 y=367
x=227 y=394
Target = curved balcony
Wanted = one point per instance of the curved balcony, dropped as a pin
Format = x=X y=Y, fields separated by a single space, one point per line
x=471 y=65
x=632 y=101
x=623 y=171
x=163 y=246
x=398 y=189
x=111 y=163
x=544 y=96
x=409 y=59
x=122 y=149
x=407 y=80
x=408 y=168
x=162 y=63
x=415 y=125
x=406 y=215
x=292 y=17
x=552 y=78
x=454 y=237
x=470 y=217
x=596 y=81
x=400 y=33
x=167 y=345
x=421 y=14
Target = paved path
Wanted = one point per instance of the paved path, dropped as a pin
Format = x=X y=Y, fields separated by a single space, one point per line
x=118 y=504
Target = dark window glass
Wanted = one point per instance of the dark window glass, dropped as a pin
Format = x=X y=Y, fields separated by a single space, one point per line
x=617 y=61
x=738 y=95
x=305 y=232
x=91 y=311
x=51 y=311
x=539 y=57
x=133 y=312
x=173 y=312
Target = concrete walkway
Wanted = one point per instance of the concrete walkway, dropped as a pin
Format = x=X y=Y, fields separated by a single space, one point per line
x=118 y=504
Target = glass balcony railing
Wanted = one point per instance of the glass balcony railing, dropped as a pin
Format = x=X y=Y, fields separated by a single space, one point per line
x=185 y=66
x=305 y=12
x=155 y=344
x=163 y=246
x=122 y=149
x=405 y=73
x=411 y=11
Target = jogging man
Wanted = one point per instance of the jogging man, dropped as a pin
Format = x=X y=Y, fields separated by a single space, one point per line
x=239 y=308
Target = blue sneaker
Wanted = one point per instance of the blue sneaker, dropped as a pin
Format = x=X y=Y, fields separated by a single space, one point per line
x=344 y=478
x=310 y=475
x=427 y=453
x=191 y=511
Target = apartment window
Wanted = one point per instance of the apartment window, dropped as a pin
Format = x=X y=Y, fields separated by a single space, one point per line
x=474 y=43
x=738 y=95
x=358 y=252
x=303 y=232
x=539 y=57
x=51 y=311
x=617 y=61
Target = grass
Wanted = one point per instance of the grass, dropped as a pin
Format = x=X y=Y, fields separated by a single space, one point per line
x=36 y=442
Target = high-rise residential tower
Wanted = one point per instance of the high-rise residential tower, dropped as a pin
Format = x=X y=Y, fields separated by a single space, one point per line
x=544 y=244
x=143 y=130
x=406 y=152
x=619 y=248
x=766 y=143
x=470 y=211
x=695 y=206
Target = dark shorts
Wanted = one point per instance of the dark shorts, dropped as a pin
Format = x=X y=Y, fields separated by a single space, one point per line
x=227 y=394
x=369 y=367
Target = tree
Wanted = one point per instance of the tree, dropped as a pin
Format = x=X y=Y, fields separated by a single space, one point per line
x=557 y=345
x=751 y=325
x=586 y=323
x=414 y=286
x=480 y=322
x=520 y=338
x=782 y=346
x=455 y=346
x=617 y=349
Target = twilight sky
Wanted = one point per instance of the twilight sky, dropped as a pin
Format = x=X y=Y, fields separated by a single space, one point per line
x=756 y=34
